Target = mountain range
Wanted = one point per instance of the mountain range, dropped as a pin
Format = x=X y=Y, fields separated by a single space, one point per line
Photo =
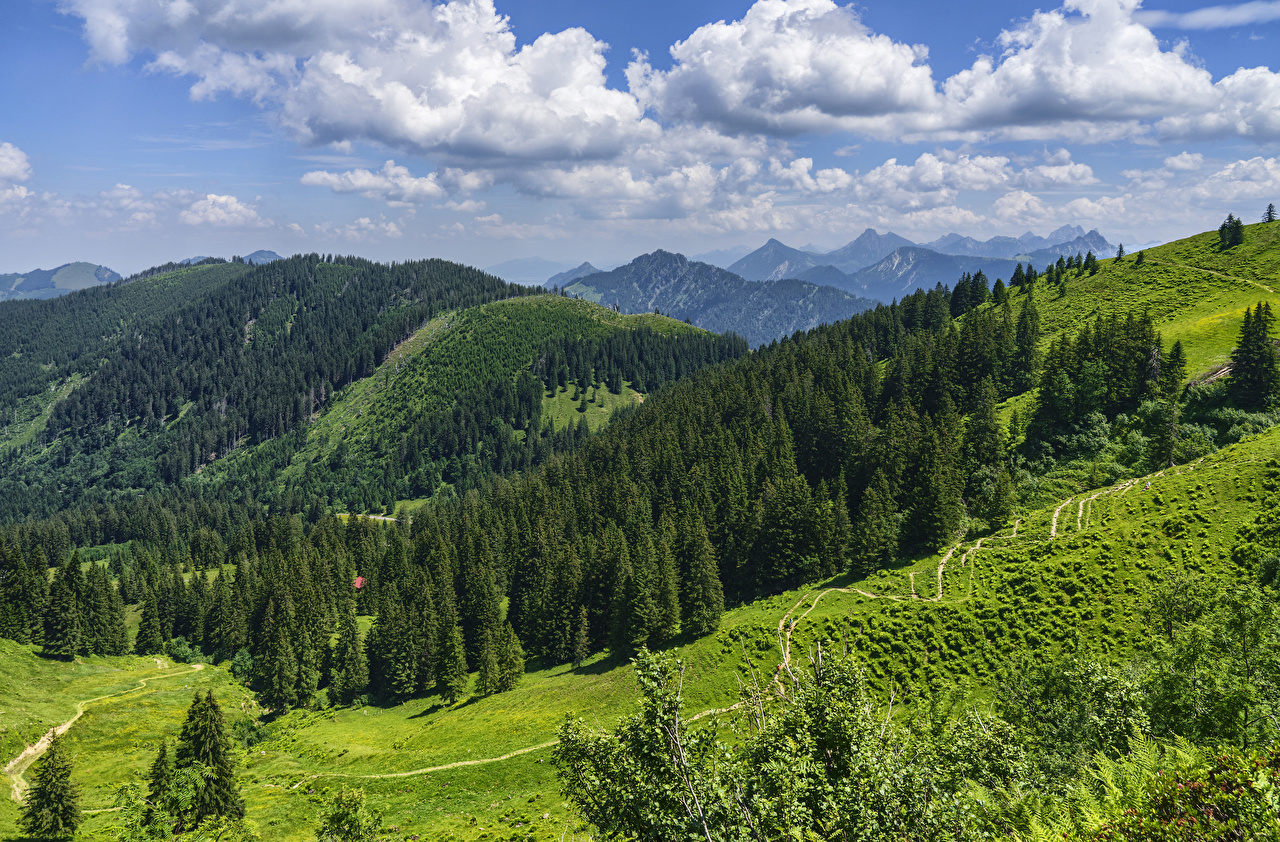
x=716 y=299
x=887 y=266
x=51 y=283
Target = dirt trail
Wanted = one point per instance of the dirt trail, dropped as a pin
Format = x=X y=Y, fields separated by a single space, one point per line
x=1211 y=272
x=457 y=764
x=15 y=767
x=1053 y=527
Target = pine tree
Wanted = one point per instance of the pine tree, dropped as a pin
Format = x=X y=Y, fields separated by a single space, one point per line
x=510 y=660
x=667 y=592
x=51 y=809
x=453 y=665
x=704 y=594
x=204 y=740
x=63 y=633
x=1120 y=253
x=582 y=639
x=350 y=666
x=1173 y=371
x=877 y=527
x=150 y=640
x=275 y=668
x=1026 y=360
x=1255 y=370
x=1270 y=214
x=487 y=664
x=160 y=774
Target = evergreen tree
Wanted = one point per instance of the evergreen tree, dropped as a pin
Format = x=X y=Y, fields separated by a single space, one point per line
x=160 y=774
x=350 y=665
x=1140 y=258
x=1120 y=253
x=704 y=594
x=1026 y=360
x=582 y=638
x=510 y=660
x=1270 y=214
x=877 y=527
x=1173 y=372
x=275 y=668
x=453 y=665
x=51 y=809
x=63 y=632
x=204 y=740
x=1255 y=371
x=667 y=590
x=487 y=664
x=150 y=640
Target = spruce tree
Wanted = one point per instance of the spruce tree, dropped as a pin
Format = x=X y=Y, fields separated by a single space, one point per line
x=350 y=665
x=51 y=809
x=160 y=774
x=704 y=595
x=1120 y=253
x=510 y=660
x=877 y=527
x=150 y=639
x=275 y=668
x=1255 y=370
x=1270 y=214
x=63 y=633
x=1173 y=371
x=582 y=638
x=453 y=665
x=487 y=664
x=204 y=740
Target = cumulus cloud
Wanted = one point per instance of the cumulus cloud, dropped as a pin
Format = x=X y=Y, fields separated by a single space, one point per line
x=434 y=79
x=393 y=184
x=222 y=212
x=788 y=67
x=1255 y=178
x=14 y=165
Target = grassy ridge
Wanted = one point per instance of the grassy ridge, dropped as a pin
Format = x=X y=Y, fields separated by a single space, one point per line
x=1027 y=593
x=1195 y=291
x=1075 y=574
x=448 y=354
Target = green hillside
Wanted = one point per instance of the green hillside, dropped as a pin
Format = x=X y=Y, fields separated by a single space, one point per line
x=440 y=383
x=51 y=283
x=1196 y=292
x=1031 y=604
x=1077 y=574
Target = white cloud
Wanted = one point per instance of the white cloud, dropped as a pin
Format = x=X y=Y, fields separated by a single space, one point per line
x=393 y=184
x=363 y=229
x=1255 y=178
x=933 y=180
x=435 y=79
x=788 y=67
x=222 y=212
x=14 y=165
x=1213 y=17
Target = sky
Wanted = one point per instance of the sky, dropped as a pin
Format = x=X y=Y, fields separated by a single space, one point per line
x=134 y=132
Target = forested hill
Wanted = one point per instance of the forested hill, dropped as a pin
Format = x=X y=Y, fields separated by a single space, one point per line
x=222 y=356
x=716 y=299
x=491 y=389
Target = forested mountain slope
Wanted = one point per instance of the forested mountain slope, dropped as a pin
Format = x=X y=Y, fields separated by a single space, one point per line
x=867 y=456
x=1085 y=578
x=248 y=360
x=471 y=393
x=716 y=299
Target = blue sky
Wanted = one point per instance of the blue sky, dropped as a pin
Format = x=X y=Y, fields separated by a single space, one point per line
x=139 y=131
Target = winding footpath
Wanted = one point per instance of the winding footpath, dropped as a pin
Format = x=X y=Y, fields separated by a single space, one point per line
x=18 y=765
